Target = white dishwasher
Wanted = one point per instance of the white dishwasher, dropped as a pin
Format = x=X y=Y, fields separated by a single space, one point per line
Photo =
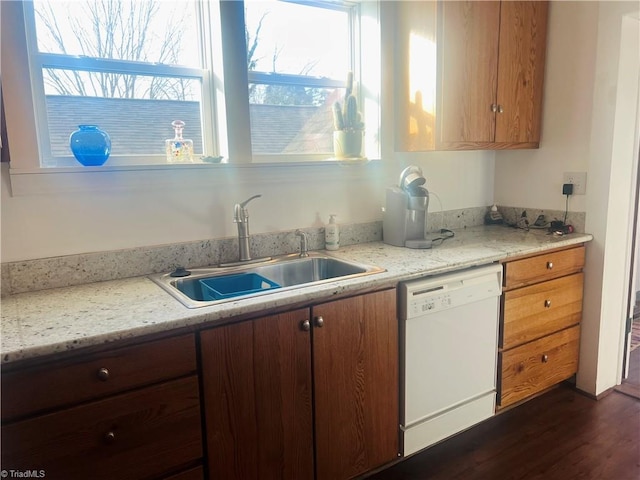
x=449 y=340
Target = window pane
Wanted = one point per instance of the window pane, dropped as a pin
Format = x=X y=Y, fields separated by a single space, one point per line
x=288 y=127
x=297 y=39
x=145 y=135
x=291 y=115
x=174 y=99
x=79 y=42
x=138 y=30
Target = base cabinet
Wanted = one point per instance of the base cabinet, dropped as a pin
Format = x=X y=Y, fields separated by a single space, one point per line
x=355 y=360
x=256 y=378
x=98 y=417
x=540 y=323
x=311 y=393
x=538 y=365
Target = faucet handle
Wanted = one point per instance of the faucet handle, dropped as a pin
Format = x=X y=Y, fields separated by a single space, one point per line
x=304 y=246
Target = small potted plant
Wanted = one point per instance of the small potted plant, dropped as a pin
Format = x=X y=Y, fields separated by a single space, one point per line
x=348 y=126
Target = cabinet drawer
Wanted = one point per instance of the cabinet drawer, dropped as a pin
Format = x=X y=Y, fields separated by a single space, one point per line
x=64 y=383
x=538 y=310
x=543 y=267
x=133 y=435
x=532 y=367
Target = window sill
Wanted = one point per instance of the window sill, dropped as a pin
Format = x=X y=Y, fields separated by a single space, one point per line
x=174 y=176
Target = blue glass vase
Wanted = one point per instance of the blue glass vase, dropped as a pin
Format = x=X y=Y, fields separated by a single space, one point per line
x=90 y=145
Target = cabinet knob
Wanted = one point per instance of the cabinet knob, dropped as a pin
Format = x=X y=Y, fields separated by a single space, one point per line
x=547 y=304
x=545 y=358
x=319 y=322
x=520 y=368
x=305 y=325
x=549 y=265
x=103 y=374
x=109 y=437
x=494 y=107
x=500 y=109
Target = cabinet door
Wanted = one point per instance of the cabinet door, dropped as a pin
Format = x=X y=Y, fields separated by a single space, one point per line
x=468 y=66
x=415 y=73
x=355 y=361
x=257 y=390
x=523 y=39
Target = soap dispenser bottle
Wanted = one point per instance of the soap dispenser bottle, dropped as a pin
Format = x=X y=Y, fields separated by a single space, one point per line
x=332 y=234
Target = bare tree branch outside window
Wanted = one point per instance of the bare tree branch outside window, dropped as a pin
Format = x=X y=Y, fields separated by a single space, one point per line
x=278 y=94
x=113 y=29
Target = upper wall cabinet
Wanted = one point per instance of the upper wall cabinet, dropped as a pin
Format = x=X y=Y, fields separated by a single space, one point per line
x=469 y=74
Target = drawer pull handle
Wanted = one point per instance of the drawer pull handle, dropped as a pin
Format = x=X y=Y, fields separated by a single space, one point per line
x=545 y=358
x=319 y=322
x=305 y=325
x=547 y=304
x=520 y=367
x=103 y=374
x=549 y=265
x=109 y=437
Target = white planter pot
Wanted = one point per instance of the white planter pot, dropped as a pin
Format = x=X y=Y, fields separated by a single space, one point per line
x=348 y=143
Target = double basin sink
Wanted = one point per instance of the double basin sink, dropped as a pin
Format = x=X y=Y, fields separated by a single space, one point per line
x=201 y=287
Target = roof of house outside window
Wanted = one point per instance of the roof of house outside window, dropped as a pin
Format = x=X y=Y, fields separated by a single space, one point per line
x=275 y=128
x=143 y=132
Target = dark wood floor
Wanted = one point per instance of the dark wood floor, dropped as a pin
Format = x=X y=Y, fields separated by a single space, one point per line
x=631 y=385
x=561 y=435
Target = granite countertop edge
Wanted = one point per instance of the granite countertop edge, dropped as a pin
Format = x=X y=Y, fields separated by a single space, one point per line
x=46 y=322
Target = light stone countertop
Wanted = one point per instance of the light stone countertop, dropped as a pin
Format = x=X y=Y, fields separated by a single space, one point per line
x=45 y=322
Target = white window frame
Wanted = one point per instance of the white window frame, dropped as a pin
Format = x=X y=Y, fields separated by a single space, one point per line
x=28 y=176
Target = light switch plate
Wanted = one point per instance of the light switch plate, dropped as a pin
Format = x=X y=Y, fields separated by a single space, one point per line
x=579 y=181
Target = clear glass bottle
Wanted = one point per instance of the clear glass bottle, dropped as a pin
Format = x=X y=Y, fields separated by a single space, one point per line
x=179 y=150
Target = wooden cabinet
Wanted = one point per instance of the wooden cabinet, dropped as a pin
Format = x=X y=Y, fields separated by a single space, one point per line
x=540 y=323
x=25 y=392
x=257 y=389
x=319 y=383
x=128 y=413
x=355 y=361
x=471 y=74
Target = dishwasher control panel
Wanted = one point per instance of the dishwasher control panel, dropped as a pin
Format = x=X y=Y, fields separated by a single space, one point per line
x=441 y=292
x=429 y=304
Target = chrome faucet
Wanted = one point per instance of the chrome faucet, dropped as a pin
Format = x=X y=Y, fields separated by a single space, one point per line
x=241 y=218
x=304 y=243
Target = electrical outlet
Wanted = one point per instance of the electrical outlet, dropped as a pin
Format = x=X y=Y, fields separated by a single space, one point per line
x=579 y=180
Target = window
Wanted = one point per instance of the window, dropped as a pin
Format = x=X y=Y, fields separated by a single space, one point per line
x=297 y=70
x=110 y=61
x=132 y=67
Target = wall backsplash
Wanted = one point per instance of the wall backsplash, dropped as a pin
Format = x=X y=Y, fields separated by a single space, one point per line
x=69 y=270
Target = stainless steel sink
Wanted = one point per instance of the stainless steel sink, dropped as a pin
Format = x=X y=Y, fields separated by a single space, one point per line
x=288 y=271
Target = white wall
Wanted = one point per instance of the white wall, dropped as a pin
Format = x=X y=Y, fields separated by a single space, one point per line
x=38 y=226
x=612 y=158
x=589 y=125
